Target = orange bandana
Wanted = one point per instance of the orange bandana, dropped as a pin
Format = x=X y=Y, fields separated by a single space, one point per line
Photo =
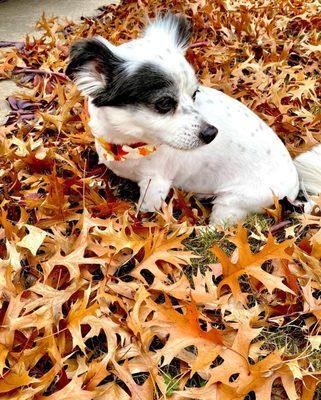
x=120 y=152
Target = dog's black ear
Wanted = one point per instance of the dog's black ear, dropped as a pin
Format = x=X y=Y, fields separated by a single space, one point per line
x=92 y=65
x=176 y=28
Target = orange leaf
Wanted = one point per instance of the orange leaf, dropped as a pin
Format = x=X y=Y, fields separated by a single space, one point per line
x=249 y=263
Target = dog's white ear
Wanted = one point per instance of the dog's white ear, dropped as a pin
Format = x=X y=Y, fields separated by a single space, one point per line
x=91 y=65
x=176 y=30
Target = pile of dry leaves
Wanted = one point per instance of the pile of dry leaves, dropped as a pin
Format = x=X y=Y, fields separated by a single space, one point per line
x=98 y=303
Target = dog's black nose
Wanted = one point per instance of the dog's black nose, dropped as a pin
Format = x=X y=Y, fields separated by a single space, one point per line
x=208 y=134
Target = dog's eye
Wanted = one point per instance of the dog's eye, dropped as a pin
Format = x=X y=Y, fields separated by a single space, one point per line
x=165 y=105
x=194 y=94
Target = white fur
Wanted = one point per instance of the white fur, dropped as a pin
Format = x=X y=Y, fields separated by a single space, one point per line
x=309 y=166
x=243 y=167
x=89 y=81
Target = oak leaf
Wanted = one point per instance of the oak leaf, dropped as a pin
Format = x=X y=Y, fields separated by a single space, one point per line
x=182 y=327
x=249 y=263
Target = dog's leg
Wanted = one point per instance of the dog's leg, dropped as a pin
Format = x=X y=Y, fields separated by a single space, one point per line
x=152 y=191
x=229 y=209
x=227 y=215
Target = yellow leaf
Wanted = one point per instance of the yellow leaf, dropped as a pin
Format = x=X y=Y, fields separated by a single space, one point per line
x=315 y=341
x=33 y=240
x=15 y=378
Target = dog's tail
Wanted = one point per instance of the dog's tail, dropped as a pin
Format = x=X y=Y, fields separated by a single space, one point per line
x=308 y=165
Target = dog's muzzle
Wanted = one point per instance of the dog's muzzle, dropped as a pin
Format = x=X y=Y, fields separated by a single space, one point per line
x=208 y=133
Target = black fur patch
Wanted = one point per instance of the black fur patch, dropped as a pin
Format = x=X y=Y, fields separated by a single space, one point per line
x=144 y=86
x=92 y=50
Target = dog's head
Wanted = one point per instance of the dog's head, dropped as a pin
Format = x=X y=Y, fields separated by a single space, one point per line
x=143 y=90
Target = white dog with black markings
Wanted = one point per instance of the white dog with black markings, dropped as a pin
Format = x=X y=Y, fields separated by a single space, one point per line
x=207 y=142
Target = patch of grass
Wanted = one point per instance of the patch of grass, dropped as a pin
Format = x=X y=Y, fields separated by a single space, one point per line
x=315 y=359
x=171 y=383
x=290 y=337
x=203 y=241
x=258 y=220
x=196 y=381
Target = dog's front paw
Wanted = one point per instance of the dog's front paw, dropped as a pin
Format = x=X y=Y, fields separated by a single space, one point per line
x=150 y=205
x=153 y=192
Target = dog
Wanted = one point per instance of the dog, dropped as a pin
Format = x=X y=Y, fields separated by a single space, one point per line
x=206 y=142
